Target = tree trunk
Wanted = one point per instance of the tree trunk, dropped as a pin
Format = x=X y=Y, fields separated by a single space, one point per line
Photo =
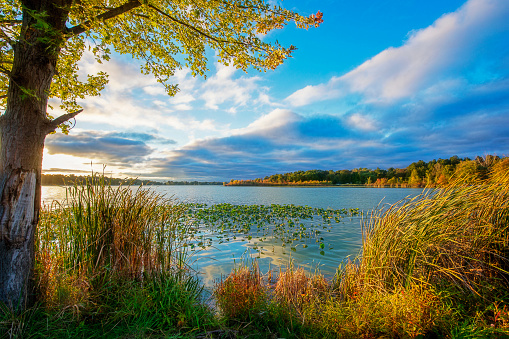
x=23 y=128
x=19 y=211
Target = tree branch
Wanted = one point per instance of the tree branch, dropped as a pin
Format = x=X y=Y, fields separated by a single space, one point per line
x=61 y=119
x=83 y=27
x=191 y=27
x=5 y=71
x=10 y=22
x=6 y=37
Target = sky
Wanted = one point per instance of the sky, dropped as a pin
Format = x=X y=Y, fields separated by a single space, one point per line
x=379 y=84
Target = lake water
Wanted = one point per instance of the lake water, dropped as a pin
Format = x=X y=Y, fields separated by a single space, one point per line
x=343 y=239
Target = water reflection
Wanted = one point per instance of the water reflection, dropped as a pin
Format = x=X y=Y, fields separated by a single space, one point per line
x=344 y=239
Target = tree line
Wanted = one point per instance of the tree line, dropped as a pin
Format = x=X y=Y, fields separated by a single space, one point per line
x=434 y=173
x=71 y=179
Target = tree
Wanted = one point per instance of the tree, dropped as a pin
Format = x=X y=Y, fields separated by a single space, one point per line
x=415 y=179
x=41 y=42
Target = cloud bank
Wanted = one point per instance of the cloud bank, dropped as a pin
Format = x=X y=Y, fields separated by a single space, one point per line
x=114 y=148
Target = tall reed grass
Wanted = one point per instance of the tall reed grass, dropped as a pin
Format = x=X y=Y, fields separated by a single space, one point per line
x=458 y=235
x=115 y=255
x=448 y=249
x=242 y=295
x=432 y=266
x=99 y=227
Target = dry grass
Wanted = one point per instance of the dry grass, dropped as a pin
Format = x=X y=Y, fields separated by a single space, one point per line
x=242 y=294
x=437 y=263
x=295 y=289
x=401 y=313
x=423 y=257
x=457 y=235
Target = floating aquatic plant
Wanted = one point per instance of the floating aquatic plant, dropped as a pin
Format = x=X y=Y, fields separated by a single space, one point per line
x=264 y=226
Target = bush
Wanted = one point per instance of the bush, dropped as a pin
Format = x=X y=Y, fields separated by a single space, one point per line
x=242 y=295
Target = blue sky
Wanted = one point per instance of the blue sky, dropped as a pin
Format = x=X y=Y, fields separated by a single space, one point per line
x=378 y=84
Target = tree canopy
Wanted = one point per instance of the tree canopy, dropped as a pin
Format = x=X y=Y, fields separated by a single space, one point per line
x=164 y=35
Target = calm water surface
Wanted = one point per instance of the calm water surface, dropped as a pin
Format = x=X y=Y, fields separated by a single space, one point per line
x=346 y=237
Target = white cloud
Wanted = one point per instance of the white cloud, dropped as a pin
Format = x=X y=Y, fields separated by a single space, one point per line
x=362 y=122
x=155 y=90
x=190 y=124
x=182 y=98
x=309 y=94
x=184 y=79
x=159 y=103
x=121 y=111
x=430 y=55
x=222 y=87
x=123 y=76
x=264 y=98
x=183 y=107
x=276 y=119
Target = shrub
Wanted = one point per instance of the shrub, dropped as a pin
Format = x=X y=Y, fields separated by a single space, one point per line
x=242 y=294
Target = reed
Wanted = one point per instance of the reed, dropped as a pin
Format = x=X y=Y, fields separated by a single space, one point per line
x=437 y=263
x=114 y=259
x=409 y=312
x=297 y=290
x=242 y=295
x=457 y=236
x=127 y=230
x=434 y=265
x=101 y=231
x=111 y=262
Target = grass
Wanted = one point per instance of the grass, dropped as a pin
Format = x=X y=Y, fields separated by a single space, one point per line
x=112 y=262
x=432 y=266
x=241 y=296
x=164 y=306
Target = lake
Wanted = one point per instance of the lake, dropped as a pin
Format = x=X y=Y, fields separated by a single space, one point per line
x=336 y=241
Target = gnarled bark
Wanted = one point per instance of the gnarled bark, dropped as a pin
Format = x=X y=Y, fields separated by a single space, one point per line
x=19 y=220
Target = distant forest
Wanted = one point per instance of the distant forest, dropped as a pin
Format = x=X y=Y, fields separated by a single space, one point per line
x=70 y=179
x=435 y=173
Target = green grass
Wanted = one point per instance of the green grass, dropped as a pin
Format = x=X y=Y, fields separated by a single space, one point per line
x=163 y=306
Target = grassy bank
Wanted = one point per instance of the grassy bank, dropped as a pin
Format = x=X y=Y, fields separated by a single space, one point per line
x=111 y=263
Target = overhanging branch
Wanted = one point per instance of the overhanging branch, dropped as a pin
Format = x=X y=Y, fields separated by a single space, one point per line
x=200 y=32
x=10 y=22
x=6 y=37
x=191 y=27
x=83 y=27
x=61 y=119
x=5 y=71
